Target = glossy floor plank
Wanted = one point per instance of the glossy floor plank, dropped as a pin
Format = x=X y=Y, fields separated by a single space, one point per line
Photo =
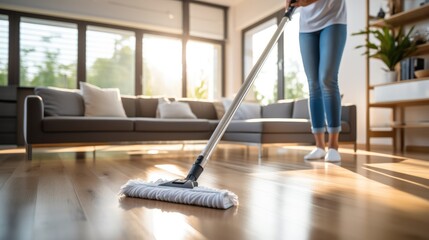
x=66 y=193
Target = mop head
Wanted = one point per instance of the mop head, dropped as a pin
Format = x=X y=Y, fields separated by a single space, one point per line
x=200 y=196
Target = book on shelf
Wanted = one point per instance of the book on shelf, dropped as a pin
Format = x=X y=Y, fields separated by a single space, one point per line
x=409 y=66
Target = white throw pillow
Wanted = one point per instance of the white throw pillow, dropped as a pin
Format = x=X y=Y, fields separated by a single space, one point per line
x=180 y=110
x=245 y=111
x=102 y=102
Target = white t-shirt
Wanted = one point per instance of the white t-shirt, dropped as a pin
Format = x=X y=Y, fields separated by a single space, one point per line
x=321 y=14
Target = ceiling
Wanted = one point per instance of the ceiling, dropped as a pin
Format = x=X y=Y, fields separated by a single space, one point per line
x=223 y=2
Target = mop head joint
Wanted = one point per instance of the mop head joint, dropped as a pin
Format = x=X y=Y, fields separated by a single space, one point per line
x=181 y=183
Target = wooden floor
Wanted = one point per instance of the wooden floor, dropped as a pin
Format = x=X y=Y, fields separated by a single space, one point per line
x=67 y=193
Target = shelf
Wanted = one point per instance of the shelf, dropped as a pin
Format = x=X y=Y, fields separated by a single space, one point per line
x=411 y=125
x=399 y=82
x=422 y=49
x=406 y=93
x=381 y=133
x=400 y=103
x=403 y=18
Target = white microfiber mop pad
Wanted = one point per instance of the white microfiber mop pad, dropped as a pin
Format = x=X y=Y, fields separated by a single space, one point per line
x=201 y=196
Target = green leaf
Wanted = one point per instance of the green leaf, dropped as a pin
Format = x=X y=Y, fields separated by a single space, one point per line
x=391 y=46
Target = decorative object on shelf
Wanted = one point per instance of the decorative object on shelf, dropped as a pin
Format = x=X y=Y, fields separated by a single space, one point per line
x=394 y=6
x=409 y=66
x=422 y=73
x=419 y=37
x=390 y=76
x=392 y=47
x=381 y=13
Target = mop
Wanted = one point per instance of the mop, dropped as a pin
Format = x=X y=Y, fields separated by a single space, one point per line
x=187 y=191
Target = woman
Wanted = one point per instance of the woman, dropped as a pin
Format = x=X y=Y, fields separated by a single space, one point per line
x=322 y=38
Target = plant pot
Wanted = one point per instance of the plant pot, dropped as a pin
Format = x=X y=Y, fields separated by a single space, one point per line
x=390 y=76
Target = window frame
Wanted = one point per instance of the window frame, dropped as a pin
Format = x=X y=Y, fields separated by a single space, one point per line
x=280 y=52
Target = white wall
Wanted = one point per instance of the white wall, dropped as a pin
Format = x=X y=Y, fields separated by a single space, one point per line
x=352 y=70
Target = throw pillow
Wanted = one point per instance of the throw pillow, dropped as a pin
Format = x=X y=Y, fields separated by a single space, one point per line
x=102 y=102
x=220 y=109
x=61 y=101
x=245 y=111
x=180 y=110
x=300 y=109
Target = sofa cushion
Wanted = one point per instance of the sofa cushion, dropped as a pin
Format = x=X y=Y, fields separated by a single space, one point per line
x=220 y=110
x=146 y=107
x=248 y=126
x=61 y=101
x=278 y=110
x=246 y=110
x=201 y=108
x=102 y=102
x=177 y=110
x=300 y=109
x=286 y=125
x=171 y=125
x=213 y=124
x=129 y=104
x=173 y=109
x=271 y=125
x=87 y=124
x=345 y=127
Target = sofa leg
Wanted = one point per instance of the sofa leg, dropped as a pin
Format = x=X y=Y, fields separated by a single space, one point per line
x=29 y=151
x=260 y=151
x=355 y=147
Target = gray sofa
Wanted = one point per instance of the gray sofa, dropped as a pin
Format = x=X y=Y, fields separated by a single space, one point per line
x=51 y=120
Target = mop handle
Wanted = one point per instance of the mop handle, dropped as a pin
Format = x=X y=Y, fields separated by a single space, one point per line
x=202 y=159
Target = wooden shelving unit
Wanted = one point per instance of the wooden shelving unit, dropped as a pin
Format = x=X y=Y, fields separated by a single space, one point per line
x=395 y=130
x=404 y=18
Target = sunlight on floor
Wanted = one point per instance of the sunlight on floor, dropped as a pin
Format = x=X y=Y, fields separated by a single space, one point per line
x=134 y=149
x=410 y=167
x=348 y=151
x=12 y=151
x=173 y=169
x=170 y=225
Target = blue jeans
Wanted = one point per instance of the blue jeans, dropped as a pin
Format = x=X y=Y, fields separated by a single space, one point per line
x=321 y=53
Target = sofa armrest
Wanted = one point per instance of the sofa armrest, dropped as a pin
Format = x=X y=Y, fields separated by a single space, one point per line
x=33 y=115
x=348 y=114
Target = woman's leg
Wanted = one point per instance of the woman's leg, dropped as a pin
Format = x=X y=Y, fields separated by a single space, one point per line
x=332 y=42
x=309 y=45
x=310 y=52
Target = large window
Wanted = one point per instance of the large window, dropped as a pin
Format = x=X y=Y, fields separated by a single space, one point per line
x=256 y=39
x=282 y=73
x=162 y=66
x=150 y=59
x=48 y=53
x=295 y=81
x=204 y=70
x=4 y=49
x=110 y=59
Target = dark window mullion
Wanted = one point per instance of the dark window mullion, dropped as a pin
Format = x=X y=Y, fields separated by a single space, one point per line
x=185 y=40
x=280 y=64
x=139 y=63
x=81 y=54
x=14 y=55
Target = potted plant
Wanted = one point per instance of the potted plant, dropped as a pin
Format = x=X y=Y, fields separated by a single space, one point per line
x=392 y=47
